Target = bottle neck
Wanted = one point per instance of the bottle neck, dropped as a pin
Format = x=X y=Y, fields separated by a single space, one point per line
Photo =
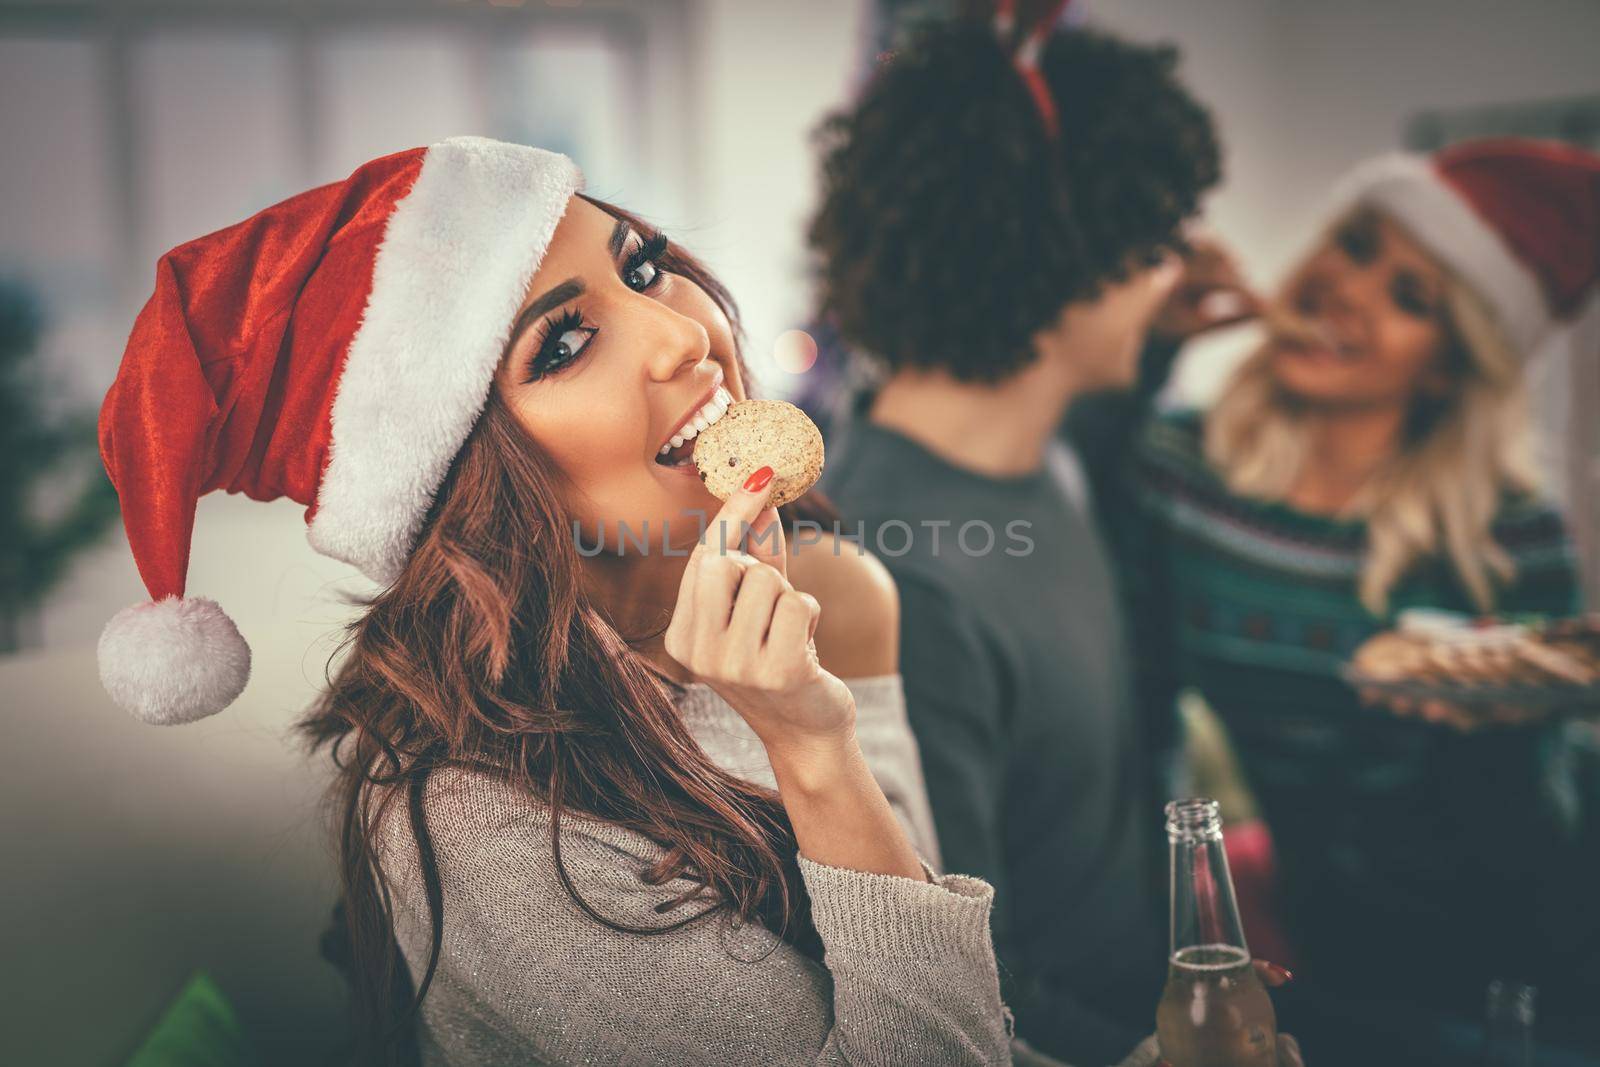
x=1205 y=914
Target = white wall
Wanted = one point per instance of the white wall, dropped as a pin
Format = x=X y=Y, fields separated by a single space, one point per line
x=772 y=69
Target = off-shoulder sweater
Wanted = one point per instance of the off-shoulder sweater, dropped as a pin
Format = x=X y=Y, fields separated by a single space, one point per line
x=526 y=977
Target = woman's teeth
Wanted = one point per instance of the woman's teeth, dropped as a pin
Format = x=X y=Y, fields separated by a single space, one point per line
x=1311 y=332
x=708 y=414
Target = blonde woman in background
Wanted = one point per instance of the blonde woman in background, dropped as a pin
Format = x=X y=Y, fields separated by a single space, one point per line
x=1373 y=456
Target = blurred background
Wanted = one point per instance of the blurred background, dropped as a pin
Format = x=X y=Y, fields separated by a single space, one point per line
x=138 y=858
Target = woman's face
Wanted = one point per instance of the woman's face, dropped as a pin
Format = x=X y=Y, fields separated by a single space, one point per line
x=1361 y=323
x=610 y=357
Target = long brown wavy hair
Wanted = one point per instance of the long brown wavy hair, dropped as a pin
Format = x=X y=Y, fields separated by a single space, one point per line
x=488 y=654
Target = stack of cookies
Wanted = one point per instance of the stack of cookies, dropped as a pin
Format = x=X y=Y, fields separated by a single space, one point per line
x=1556 y=659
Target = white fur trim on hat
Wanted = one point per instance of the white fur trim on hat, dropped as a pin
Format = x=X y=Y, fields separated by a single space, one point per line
x=1411 y=190
x=454 y=266
x=173 y=660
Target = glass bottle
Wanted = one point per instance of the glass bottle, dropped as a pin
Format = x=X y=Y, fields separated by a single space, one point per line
x=1215 y=1011
x=1508 y=1025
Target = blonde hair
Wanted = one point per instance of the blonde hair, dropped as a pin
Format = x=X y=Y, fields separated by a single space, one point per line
x=1440 y=495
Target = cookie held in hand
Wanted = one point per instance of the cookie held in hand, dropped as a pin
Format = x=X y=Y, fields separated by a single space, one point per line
x=755 y=434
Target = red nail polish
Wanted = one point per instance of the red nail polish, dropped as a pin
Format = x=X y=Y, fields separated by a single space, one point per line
x=758 y=481
x=1281 y=973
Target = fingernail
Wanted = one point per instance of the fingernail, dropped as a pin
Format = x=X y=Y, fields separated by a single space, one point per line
x=758 y=481
x=1280 y=973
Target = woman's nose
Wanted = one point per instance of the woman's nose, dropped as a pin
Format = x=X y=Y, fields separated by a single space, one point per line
x=1359 y=286
x=676 y=343
x=1332 y=290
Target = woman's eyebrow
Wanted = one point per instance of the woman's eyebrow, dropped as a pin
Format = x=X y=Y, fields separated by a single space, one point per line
x=619 y=237
x=570 y=289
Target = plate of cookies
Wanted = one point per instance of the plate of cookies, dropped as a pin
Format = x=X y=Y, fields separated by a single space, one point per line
x=1533 y=663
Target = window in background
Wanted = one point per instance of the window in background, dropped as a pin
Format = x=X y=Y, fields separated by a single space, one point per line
x=383 y=90
x=58 y=233
x=214 y=112
x=599 y=83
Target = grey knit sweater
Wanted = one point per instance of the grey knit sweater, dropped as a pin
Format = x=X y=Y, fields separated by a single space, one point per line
x=525 y=977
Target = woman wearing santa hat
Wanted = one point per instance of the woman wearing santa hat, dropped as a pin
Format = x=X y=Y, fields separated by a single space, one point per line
x=1372 y=456
x=612 y=807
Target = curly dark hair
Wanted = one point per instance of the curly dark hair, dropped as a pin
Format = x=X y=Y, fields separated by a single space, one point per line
x=952 y=227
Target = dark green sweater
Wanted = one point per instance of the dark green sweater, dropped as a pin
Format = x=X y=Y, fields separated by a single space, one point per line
x=1015 y=669
x=1397 y=839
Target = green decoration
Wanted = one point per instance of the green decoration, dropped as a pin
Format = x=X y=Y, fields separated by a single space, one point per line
x=198 y=1029
x=55 y=499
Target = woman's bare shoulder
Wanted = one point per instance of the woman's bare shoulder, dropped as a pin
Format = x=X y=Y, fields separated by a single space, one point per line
x=858 y=634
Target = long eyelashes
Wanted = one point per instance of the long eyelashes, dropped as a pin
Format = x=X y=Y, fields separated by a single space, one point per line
x=564 y=337
x=642 y=271
x=648 y=252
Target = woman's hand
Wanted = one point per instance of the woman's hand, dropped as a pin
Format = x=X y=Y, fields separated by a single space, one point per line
x=1452 y=715
x=1148 y=1054
x=740 y=626
x=1212 y=294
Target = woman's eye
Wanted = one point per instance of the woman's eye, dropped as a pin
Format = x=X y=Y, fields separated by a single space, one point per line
x=1359 y=241
x=641 y=277
x=1409 y=297
x=641 y=271
x=564 y=342
x=569 y=344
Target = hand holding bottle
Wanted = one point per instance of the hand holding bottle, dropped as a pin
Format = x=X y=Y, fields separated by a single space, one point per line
x=1215 y=1011
x=1463 y=719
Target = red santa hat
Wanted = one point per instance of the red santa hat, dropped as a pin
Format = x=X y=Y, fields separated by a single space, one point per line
x=1518 y=220
x=335 y=349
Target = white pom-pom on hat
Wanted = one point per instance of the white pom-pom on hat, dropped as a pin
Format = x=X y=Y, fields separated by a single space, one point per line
x=173 y=660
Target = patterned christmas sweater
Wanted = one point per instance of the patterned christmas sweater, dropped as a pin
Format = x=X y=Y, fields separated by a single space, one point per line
x=1377 y=818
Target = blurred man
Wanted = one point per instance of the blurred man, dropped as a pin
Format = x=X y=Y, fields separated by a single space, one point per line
x=997 y=233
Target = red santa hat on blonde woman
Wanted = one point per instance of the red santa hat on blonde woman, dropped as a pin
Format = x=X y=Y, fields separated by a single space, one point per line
x=1518 y=220
x=335 y=349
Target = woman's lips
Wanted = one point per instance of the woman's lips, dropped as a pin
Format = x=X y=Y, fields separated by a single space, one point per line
x=1319 y=350
x=680 y=446
x=1311 y=337
x=688 y=470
